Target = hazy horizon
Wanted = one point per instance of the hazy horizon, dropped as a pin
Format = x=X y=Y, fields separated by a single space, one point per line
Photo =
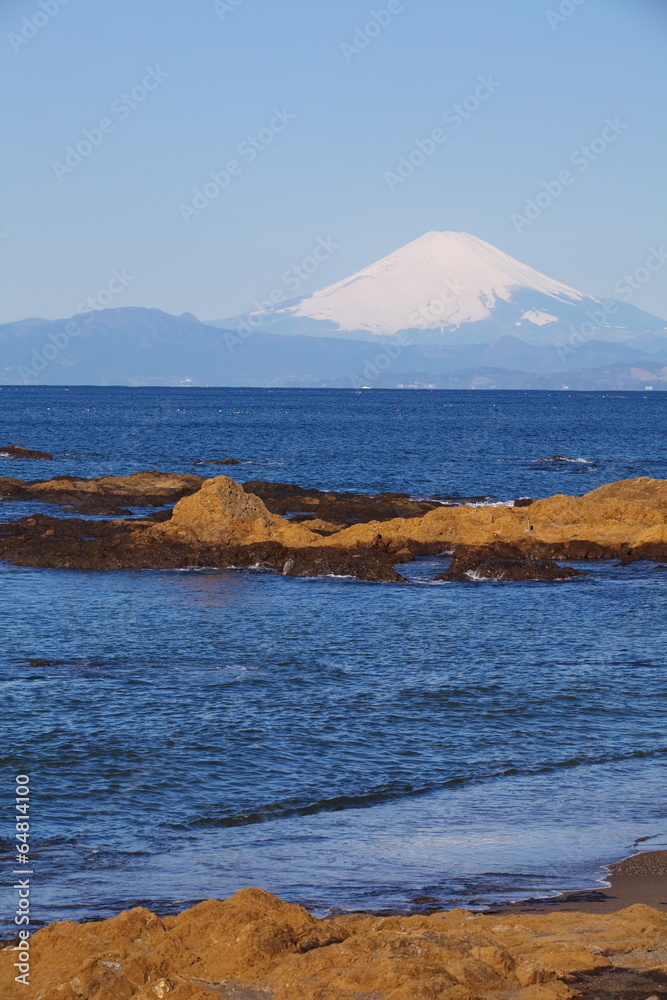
x=323 y=133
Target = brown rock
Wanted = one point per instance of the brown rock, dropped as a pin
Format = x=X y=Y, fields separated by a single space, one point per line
x=254 y=946
x=488 y=564
x=336 y=506
x=78 y=544
x=621 y=520
x=222 y=513
x=217 y=518
x=14 y=451
x=369 y=566
x=141 y=489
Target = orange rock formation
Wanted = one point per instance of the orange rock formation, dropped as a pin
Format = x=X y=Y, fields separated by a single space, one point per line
x=256 y=947
x=629 y=515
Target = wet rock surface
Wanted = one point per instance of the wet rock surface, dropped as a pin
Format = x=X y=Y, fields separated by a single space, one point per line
x=61 y=543
x=625 y=520
x=487 y=564
x=335 y=506
x=105 y=494
x=619 y=984
x=255 y=945
x=14 y=451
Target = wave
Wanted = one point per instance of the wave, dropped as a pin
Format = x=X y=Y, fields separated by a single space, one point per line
x=562 y=458
x=396 y=791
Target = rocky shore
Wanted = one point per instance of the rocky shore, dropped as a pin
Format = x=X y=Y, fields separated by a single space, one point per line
x=254 y=946
x=284 y=528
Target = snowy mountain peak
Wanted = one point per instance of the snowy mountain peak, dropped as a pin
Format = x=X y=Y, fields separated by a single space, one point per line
x=449 y=289
x=441 y=279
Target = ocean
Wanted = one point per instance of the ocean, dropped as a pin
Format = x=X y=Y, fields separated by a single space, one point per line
x=346 y=745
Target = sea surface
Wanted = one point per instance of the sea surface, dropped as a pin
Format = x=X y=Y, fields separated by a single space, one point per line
x=343 y=744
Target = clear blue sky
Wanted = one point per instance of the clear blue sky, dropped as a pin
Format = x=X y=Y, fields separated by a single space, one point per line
x=323 y=175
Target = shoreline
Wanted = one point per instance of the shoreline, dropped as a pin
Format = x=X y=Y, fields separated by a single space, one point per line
x=638 y=878
x=255 y=945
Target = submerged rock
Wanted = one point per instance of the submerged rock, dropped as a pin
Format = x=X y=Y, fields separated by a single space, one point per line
x=14 y=451
x=219 y=461
x=254 y=945
x=97 y=508
x=485 y=564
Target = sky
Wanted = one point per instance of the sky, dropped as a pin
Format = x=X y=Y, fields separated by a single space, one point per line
x=187 y=154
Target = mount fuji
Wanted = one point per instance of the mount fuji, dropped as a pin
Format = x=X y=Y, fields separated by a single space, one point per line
x=453 y=289
x=447 y=311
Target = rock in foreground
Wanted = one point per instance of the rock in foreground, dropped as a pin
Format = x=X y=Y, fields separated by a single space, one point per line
x=256 y=947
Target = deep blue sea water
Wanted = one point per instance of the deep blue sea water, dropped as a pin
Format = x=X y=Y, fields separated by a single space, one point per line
x=346 y=745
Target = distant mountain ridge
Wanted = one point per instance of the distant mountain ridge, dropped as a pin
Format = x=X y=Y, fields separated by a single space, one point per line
x=135 y=346
x=486 y=320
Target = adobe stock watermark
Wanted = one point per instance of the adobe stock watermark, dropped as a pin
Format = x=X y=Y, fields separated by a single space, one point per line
x=582 y=158
x=426 y=317
x=454 y=117
x=24 y=871
x=224 y=7
x=625 y=289
x=293 y=278
x=626 y=286
x=564 y=10
x=389 y=353
x=439 y=308
x=32 y=24
x=60 y=340
x=248 y=151
x=364 y=34
x=121 y=109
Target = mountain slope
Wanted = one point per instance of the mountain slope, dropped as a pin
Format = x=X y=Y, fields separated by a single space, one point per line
x=455 y=288
x=440 y=279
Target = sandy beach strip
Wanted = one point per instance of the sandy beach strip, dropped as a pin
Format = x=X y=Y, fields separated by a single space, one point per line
x=640 y=878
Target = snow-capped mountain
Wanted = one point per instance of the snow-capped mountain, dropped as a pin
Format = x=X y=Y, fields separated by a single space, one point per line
x=476 y=318
x=454 y=288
